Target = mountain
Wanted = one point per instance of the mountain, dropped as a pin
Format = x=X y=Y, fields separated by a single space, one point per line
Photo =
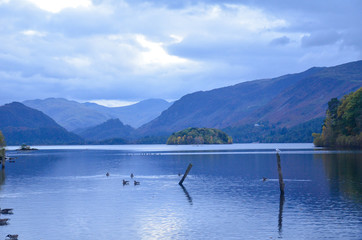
x=285 y=101
x=69 y=114
x=308 y=99
x=111 y=129
x=136 y=114
x=21 y=124
x=73 y=115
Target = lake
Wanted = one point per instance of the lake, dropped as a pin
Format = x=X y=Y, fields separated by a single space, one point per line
x=62 y=192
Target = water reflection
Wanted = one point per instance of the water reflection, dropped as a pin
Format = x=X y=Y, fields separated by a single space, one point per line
x=344 y=172
x=189 y=198
x=2 y=177
x=229 y=200
x=280 y=216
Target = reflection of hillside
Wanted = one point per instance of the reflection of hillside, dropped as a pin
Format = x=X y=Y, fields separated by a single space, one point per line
x=2 y=177
x=345 y=173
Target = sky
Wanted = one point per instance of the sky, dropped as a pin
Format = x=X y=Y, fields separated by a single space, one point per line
x=117 y=52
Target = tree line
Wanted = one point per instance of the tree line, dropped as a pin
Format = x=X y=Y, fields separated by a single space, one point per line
x=199 y=136
x=343 y=123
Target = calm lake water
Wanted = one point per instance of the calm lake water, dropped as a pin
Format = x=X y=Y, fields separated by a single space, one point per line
x=62 y=192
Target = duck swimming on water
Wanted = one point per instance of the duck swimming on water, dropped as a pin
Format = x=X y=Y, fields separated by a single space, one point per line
x=6 y=211
x=125 y=182
x=12 y=236
x=4 y=221
x=136 y=183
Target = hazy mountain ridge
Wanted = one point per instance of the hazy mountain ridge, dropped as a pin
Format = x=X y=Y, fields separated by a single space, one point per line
x=110 y=129
x=69 y=114
x=73 y=115
x=288 y=100
x=21 y=124
x=136 y=114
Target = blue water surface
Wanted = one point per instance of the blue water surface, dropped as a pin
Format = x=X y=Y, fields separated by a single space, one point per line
x=62 y=192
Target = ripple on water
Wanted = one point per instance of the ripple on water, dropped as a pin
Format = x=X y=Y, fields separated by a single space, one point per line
x=224 y=197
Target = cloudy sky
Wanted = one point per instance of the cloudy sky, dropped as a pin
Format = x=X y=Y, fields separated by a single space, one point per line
x=130 y=50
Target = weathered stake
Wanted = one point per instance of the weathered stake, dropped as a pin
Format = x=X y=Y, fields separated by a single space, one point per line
x=185 y=175
x=2 y=157
x=281 y=182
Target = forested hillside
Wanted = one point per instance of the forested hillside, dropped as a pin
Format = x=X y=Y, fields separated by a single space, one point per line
x=343 y=123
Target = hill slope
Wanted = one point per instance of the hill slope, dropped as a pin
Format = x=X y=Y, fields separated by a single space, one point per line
x=21 y=124
x=113 y=128
x=308 y=99
x=69 y=114
x=73 y=115
x=286 y=101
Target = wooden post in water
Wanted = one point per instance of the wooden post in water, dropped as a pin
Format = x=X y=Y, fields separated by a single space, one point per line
x=185 y=175
x=281 y=182
x=2 y=157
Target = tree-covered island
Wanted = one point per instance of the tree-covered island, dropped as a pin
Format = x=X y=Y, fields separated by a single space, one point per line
x=343 y=123
x=199 y=136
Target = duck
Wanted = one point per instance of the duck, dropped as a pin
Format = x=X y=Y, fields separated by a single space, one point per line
x=107 y=174
x=12 y=236
x=4 y=221
x=136 y=183
x=264 y=179
x=132 y=175
x=125 y=182
x=6 y=211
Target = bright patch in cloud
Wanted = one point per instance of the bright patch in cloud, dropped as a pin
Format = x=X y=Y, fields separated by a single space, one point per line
x=112 y=103
x=56 y=6
x=176 y=38
x=155 y=53
x=78 y=62
x=33 y=33
x=254 y=19
x=4 y=1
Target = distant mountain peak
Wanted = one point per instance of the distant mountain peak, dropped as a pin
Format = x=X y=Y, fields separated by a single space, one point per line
x=112 y=128
x=114 y=122
x=74 y=115
x=21 y=124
